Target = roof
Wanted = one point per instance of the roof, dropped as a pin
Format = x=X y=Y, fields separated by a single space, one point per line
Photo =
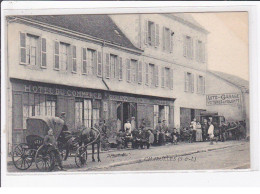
x=98 y=26
x=187 y=19
x=239 y=82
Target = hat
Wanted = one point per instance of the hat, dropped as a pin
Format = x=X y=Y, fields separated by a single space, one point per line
x=62 y=114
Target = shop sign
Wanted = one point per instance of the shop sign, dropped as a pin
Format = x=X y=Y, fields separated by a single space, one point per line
x=62 y=92
x=223 y=99
x=137 y=100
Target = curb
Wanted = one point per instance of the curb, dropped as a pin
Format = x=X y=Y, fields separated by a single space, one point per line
x=122 y=163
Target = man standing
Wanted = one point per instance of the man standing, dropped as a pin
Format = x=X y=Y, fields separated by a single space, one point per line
x=133 y=123
x=157 y=131
x=205 y=127
x=127 y=126
x=193 y=125
x=50 y=141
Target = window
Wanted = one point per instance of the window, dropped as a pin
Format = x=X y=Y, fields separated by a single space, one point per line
x=44 y=54
x=84 y=61
x=200 y=50
x=128 y=70
x=200 y=84
x=64 y=56
x=96 y=108
x=31 y=42
x=83 y=112
x=152 y=74
x=38 y=105
x=162 y=77
x=168 y=77
x=74 y=59
x=155 y=115
x=134 y=70
x=151 y=33
x=189 y=82
x=167 y=39
x=167 y=114
x=188 y=47
x=57 y=55
x=91 y=61
x=113 y=66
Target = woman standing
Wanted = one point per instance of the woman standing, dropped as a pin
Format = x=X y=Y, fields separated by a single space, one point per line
x=198 y=132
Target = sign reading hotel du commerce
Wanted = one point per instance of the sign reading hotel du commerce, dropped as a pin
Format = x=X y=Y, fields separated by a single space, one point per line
x=223 y=99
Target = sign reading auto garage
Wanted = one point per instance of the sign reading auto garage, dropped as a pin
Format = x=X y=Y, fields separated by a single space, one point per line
x=223 y=99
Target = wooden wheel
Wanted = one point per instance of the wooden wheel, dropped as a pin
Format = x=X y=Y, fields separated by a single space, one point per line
x=22 y=156
x=81 y=156
x=44 y=159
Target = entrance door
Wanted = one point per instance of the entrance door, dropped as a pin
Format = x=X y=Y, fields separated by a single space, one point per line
x=126 y=112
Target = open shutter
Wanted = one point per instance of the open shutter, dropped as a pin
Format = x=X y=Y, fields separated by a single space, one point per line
x=162 y=77
x=84 y=61
x=23 y=48
x=185 y=82
x=120 y=69
x=184 y=46
x=128 y=70
x=191 y=48
x=157 y=35
x=43 y=53
x=146 y=32
x=95 y=63
x=198 y=86
x=164 y=42
x=140 y=72
x=197 y=50
x=107 y=65
x=171 y=41
x=156 y=75
x=99 y=64
x=171 y=78
x=146 y=73
x=153 y=34
x=117 y=67
x=56 y=55
x=192 y=83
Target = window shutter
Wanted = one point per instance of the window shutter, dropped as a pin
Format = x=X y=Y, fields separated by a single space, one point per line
x=198 y=84
x=23 y=48
x=192 y=82
x=146 y=73
x=153 y=34
x=162 y=77
x=171 y=41
x=191 y=48
x=204 y=85
x=74 y=59
x=99 y=64
x=184 y=46
x=146 y=32
x=197 y=50
x=156 y=75
x=120 y=69
x=56 y=55
x=117 y=67
x=95 y=63
x=171 y=78
x=140 y=72
x=84 y=61
x=203 y=52
x=128 y=70
x=164 y=38
x=44 y=53
x=107 y=65
x=185 y=82
x=157 y=41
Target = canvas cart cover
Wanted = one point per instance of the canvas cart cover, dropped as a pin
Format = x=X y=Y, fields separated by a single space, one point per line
x=40 y=125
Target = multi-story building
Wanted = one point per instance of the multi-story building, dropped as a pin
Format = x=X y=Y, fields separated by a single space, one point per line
x=176 y=44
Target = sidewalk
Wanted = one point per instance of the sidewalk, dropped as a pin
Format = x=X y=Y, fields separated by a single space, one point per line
x=115 y=158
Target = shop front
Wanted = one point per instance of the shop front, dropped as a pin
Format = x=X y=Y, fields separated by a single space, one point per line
x=187 y=115
x=83 y=107
x=125 y=107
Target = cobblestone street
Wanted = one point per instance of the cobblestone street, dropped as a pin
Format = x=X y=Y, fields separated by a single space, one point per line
x=184 y=156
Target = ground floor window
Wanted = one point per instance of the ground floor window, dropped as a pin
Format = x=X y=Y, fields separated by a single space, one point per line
x=38 y=105
x=161 y=113
x=83 y=113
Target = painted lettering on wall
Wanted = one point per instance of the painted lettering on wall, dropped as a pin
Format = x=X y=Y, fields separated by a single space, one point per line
x=61 y=92
x=223 y=99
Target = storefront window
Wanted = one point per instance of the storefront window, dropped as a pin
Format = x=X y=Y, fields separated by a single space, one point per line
x=83 y=113
x=78 y=113
x=155 y=115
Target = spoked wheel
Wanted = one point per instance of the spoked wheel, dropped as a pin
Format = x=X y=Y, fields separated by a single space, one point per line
x=44 y=159
x=22 y=156
x=81 y=156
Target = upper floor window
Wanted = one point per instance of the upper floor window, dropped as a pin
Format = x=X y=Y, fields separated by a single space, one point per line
x=200 y=85
x=189 y=82
x=74 y=59
x=167 y=39
x=134 y=67
x=91 y=61
x=61 y=56
x=188 y=47
x=153 y=75
x=29 y=49
x=113 y=66
x=151 y=33
x=200 y=51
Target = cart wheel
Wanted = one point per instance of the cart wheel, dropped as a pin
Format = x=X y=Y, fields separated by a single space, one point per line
x=44 y=160
x=22 y=156
x=81 y=156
